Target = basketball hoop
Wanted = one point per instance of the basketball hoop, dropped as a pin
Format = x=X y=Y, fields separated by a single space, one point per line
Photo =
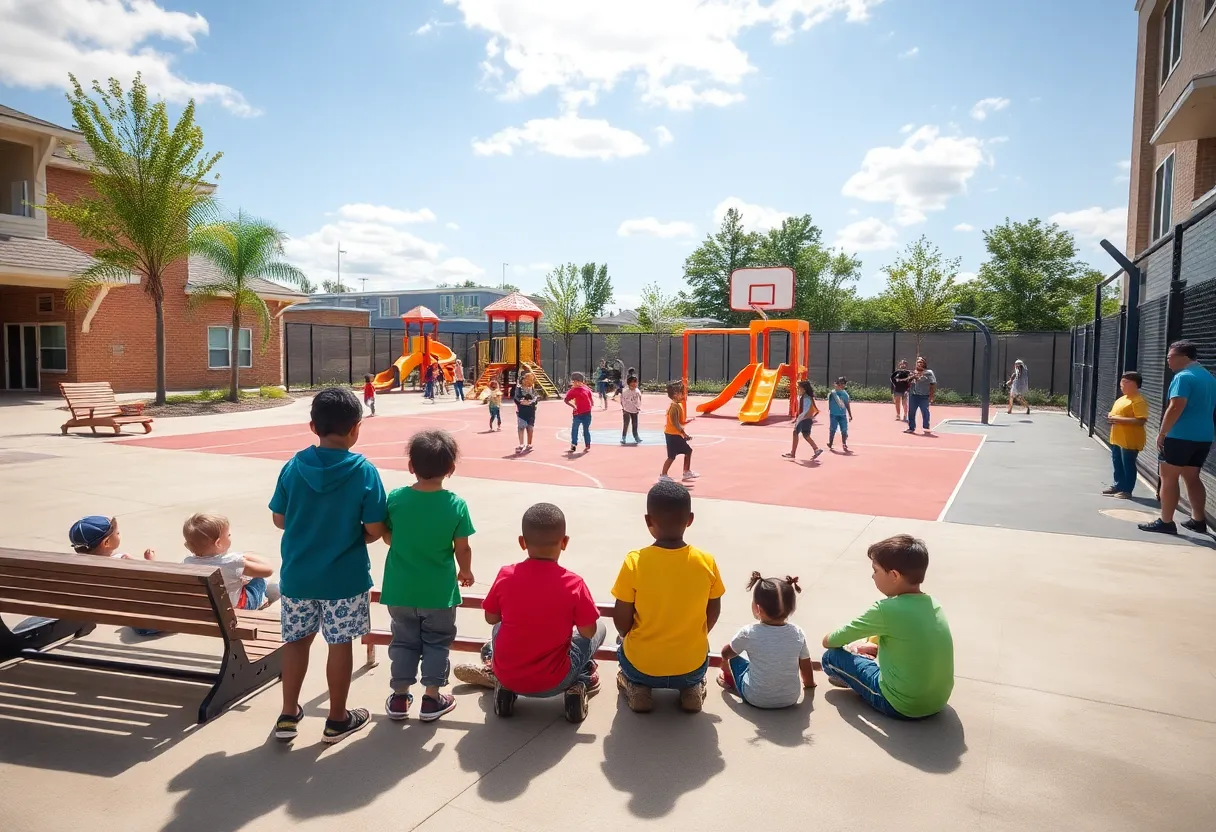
x=759 y=290
x=759 y=311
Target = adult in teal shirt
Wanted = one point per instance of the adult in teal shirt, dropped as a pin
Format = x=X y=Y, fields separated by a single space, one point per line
x=1185 y=439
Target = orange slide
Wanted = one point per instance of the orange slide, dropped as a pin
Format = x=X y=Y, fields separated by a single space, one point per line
x=406 y=364
x=760 y=394
x=745 y=375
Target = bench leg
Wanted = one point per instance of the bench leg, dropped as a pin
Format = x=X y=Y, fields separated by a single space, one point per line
x=372 y=661
x=37 y=633
x=238 y=678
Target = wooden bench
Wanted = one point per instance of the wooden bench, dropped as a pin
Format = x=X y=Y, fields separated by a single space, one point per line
x=78 y=592
x=93 y=406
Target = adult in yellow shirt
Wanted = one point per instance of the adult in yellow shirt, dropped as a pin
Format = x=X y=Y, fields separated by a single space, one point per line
x=1127 y=417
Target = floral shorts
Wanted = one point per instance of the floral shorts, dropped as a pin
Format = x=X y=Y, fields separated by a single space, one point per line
x=338 y=622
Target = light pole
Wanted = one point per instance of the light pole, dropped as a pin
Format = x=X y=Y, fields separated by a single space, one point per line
x=341 y=251
x=986 y=390
x=504 y=276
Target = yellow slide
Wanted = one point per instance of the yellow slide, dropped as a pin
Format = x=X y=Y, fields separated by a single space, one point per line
x=745 y=375
x=406 y=364
x=760 y=394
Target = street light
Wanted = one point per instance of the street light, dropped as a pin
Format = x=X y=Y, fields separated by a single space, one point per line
x=341 y=251
x=986 y=390
x=504 y=276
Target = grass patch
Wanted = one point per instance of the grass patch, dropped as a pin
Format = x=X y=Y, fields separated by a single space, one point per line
x=208 y=396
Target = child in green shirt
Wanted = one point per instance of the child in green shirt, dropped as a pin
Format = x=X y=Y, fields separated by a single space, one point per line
x=909 y=672
x=429 y=559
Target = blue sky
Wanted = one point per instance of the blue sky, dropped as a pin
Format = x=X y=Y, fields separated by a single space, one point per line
x=438 y=139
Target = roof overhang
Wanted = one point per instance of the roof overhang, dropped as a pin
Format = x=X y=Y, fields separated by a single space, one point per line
x=38 y=128
x=48 y=278
x=1193 y=115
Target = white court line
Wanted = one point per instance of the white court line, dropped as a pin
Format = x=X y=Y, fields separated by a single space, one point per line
x=239 y=444
x=598 y=484
x=958 y=486
x=851 y=444
x=698 y=439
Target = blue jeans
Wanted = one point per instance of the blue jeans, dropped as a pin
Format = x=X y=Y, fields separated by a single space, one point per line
x=583 y=419
x=582 y=650
x=738 y=670
x=420 y=636
x=860 y=673
x=916 y=403
x=429 y=392
x=495 y=414
x=1124 y=461
x=459 y=385
x=841 y=421
x=637 y=677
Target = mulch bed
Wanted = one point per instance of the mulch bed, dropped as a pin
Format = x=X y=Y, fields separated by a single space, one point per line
x=167 y=411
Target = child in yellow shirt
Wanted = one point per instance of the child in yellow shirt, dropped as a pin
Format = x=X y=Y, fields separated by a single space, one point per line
x=1127 y=418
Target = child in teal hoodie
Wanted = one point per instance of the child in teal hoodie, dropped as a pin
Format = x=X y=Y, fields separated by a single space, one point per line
x=330 y=503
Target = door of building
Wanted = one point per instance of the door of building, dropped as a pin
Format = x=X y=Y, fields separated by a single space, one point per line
x=21 y=356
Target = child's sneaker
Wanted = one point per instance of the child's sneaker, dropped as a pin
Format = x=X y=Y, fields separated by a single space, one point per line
x=637 y=697
x=575 y=702
x=623 y=441
x=356 y=720
x=665 y=478
x=287 y=726
x=836 y=681
x=432 y=709
x=691 y=699
x=573 y=448
x=475 y=674
x=691 y=475
x=504 y=701
x=527 y=449
x=818 y=453
x=519 y=449
x=398 y=705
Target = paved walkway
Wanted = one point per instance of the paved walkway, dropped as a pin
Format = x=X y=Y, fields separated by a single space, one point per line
x=1061 y=717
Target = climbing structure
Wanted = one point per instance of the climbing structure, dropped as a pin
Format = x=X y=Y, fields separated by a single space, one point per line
x=507 y=356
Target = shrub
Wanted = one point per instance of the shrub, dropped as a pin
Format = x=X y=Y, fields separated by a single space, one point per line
x=267 y=392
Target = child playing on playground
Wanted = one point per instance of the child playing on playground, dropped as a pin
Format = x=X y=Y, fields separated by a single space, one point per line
x=916 y=675
x=631 y=406
x=601 y=382
x=546 y=624
x=429 y=559
x=579 y=398
x=804 y=420
x=428 y=389
x=494 y=403
x=668 y=597
x=98 y=535
x=778 y=664
x=525 y=399
x=369 y=394
x=330 y=504
x=840 y=413
x=208 y=539
x=673 y=432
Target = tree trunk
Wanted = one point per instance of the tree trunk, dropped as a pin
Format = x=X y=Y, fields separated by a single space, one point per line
x=159 y=303
x=234 y=356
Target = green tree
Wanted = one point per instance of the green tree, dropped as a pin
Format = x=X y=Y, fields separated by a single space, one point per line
x=686 y=307
x=308 y=287
x=919 y=296
x=242 y=250
x=709 y=267
x=597 y=287
x=566 y=311
x=658 y=313
x=333 y=287
x=864 y=314
x=149 y=192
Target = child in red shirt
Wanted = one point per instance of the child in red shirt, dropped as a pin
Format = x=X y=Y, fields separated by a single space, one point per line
x=580 y=400
x=546 y=624
x=369 y=393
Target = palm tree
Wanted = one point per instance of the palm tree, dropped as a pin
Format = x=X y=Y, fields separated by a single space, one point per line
x=150 y=188
x=242 y=250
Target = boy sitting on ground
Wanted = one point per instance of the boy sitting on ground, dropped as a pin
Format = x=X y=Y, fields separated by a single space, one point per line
x=909 y=673
x=546 y=624
x=208 y=539
x=668 y=598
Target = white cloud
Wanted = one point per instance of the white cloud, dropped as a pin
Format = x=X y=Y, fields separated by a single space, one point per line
x=41 y=41
x=1125 y=170
x=906 y=129
x=987 y=106
x=526 y=269
x=364 y=212
x=568 y=135
x=1094 y=224
x=911 y=53
x=451 y=226
x=965 y=277
x=664 y=136
x=651 y=227
x=870 y=234
x=755 y=217
x=920 y=175
x=378 y=249
x=964 y=227
x=678 y=53
x=425 y=28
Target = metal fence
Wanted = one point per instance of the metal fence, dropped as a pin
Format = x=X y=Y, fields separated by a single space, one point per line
x=1174 y=297
x=317 y=354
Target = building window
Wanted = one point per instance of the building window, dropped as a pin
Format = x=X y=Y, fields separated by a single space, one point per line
x=388 y=308
x=1171 y=38
x=46 y=304
x=445 y=304
x=1163 y=198
x=217 y=348
x=53 y=347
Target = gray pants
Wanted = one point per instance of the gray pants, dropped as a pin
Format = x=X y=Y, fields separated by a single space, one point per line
x=420 y=636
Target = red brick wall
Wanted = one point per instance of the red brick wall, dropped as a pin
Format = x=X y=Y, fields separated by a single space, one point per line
x=120 y=346
x=330 y=317
x=19 y=305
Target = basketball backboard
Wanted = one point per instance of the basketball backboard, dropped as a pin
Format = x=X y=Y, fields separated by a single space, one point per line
x=770 y=289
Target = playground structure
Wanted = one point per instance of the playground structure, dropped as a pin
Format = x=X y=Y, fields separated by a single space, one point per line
x=508 y=356
x=757 y=290
x=417 y=352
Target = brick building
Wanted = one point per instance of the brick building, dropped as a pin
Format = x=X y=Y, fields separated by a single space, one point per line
x=113 y=339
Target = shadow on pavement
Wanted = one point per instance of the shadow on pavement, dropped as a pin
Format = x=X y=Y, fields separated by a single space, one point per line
x=935 y=744
x=781 y=726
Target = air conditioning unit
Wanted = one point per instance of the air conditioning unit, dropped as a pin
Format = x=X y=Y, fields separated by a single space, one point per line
x=23 y=193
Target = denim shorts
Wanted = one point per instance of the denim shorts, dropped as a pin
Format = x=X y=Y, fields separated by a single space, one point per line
x=680 y=682
x=862 y=674
x=339 y=621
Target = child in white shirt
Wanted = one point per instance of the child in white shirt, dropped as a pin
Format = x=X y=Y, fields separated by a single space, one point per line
x=208 y=538
x=778 y=664
x=631 y=406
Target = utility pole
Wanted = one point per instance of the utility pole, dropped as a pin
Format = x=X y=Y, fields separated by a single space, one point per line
x=341 y=251
x=363 y=280
x=504 y=276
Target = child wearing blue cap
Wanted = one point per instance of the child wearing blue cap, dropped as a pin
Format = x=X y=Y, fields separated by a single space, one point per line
x=98 y=535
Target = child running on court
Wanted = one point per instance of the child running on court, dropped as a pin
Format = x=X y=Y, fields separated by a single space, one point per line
x=429 y=559
x=778 y=664
x=208 y=540
x=840 y=413
x=673 y=432
x=369 y=394
x=909 y=672
x=804 y=420
x=98 y=535
x=330 y=504
x=668 y=597
x=580 y=400
x=546 y=624
x=631 y=406
x=494 y=404
x=525 y=399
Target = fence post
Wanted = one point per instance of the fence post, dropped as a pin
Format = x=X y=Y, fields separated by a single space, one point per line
x=1173 y=312
x=1051 y=385
x=350 y=354
x=827 y=364
x=1093 y=387
x=312 y=373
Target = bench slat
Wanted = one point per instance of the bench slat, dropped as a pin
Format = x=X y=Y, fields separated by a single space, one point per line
x=13 y=576
x=91 y=565
x=81 y=599
x=96 y=590
x=82 y=614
